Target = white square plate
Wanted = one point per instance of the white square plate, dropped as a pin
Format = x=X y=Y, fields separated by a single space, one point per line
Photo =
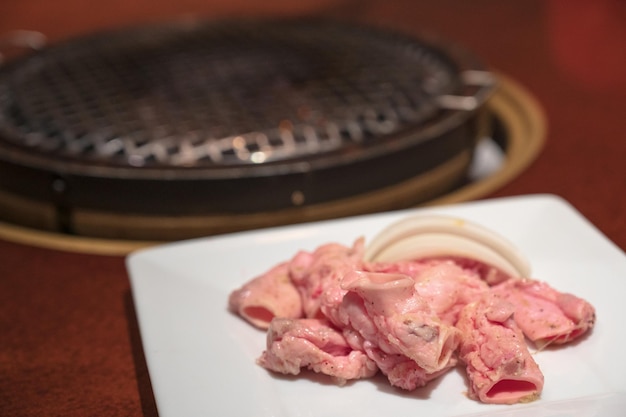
x=201 y=358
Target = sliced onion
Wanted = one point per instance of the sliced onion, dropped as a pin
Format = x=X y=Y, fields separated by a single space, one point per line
x=428 y=236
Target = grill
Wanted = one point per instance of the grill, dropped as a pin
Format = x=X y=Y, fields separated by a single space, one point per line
x=155 y=127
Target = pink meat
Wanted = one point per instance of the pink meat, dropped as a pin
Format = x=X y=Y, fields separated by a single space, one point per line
x=269 y=295
x=387 y=311
x=317 y=275
x=411 y=268
x=546 y=315
x=403 y=372
x=400 y=370
x=487 y=273
x=498 y=364
x=331 y=312
x=313 y=344
x=447 y=288
x=442 y=283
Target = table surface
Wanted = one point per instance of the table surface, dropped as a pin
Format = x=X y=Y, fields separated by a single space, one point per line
x=69 y=338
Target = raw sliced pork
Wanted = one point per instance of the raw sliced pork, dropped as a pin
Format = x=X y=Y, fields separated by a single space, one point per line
x=334 y=313
x=499 y=366
x=313 y=344
x=269 y=295
x=544 y=314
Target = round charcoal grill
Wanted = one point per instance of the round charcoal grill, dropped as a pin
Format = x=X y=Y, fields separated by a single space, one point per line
x=214 y=120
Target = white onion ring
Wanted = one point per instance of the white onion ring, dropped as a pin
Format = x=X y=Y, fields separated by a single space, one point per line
x=428 y=236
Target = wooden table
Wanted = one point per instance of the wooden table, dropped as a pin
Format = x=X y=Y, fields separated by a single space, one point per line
x=69 y=339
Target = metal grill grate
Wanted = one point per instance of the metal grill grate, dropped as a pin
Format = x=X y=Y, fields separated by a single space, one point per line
x=222 y=94
x=232 y=117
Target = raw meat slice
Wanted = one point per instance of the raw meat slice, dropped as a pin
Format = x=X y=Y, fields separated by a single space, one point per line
x=447 y=288
x=444 y=284
x=403 y=372
x=317 y=275
x=391 y=315
x=488 y=273
x=498 y=364
x=269 y=295
x=315 y=345
x=546 y=315
x=411 y=268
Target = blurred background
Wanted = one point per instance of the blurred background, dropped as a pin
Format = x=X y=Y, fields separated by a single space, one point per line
x=577 y=29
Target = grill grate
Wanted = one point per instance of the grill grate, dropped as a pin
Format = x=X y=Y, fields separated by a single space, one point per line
x=232 y=118
x=221 y=95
